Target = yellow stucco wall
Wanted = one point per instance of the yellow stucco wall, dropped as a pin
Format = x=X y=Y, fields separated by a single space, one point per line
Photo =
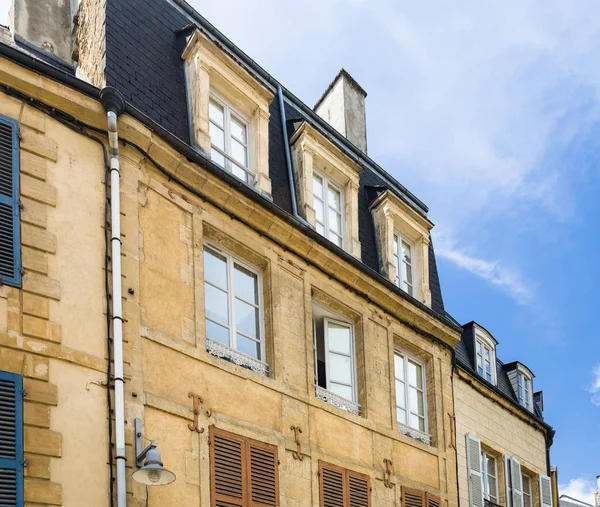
x=501 y=431
x=53 y=330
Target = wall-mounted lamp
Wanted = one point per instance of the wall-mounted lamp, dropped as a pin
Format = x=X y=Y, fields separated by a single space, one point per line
x=152 y=473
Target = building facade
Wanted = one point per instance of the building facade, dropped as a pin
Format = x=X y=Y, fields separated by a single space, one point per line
x=280 y=331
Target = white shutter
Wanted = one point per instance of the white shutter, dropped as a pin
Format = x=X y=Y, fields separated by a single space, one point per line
x=474 y=469
x=507 y=480
x=516 y=482
x=545 y=491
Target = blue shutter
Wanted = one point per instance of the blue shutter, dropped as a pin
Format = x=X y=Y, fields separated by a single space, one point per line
x=10 y=227
x=11 y=440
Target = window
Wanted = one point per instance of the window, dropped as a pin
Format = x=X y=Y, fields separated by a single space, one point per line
x=243 y=472
x=11 y=439
x=489 y=477
x=403 y=262
x=343 y=488
x=527 y=491
x=411 y=397
x=416 y=498
x=328 y=209
x=525 y=396
x=335 y=370
x=485 y=358
x=233 y=308
x=229 y=140
x=10 y=227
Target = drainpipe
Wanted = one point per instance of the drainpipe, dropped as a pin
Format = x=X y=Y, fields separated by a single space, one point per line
x=114 y=104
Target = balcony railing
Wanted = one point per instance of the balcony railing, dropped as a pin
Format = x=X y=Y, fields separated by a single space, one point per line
x=235 y=356
x=489 y=503
x=337 y=401
x=413 y=433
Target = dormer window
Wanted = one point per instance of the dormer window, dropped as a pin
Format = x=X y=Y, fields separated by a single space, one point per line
x=485 y=357
x=525 y=391
x=328 y=199
x=403 y=261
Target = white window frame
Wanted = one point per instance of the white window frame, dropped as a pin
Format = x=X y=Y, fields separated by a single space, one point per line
x=326 y=183
x=525 y=396
x=228 y=112
x=406 y=358
x=326 y=321
x=399 y=261
x=485 y=343
x=485 y=475
x=527 y=495
x=233 y=259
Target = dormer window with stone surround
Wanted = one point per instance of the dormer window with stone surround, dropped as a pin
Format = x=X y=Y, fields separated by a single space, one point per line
x=485 y=355
x=525 y=387
x=229 y=112
x=403 y=239
x=327 y=182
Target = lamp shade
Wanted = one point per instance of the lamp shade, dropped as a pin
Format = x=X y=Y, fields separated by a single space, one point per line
x=153 y=473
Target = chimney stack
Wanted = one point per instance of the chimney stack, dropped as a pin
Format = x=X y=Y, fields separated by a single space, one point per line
x=45 y=25
x=343 y=107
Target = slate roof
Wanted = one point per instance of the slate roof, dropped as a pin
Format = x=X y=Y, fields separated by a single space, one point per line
x=144 y=42
x=465 y=358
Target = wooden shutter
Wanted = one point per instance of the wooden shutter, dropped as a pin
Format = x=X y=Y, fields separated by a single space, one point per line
x=359 y=489
x=474 y=469
x=331 y=485
x=227 y=467
x=432 y=500
x=10 y=229
x=516 y=482
x=545 y=491
x=412 y=497
x=11 y=439
x=264 y=480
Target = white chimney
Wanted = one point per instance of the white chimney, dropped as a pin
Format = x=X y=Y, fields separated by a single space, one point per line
x=46 y=25
x=343 y=107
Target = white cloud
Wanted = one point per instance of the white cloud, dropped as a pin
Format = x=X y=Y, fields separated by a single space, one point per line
x=581 y=489
x=595 y=388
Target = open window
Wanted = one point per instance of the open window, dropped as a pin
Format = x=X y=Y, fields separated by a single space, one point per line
x=335 y=359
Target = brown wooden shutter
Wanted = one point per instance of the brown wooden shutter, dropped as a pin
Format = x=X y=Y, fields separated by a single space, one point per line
x=227 y=469
x=264 y=480
x=359 y=489
x=412 y=497
x=432 y=500
x=331 y=485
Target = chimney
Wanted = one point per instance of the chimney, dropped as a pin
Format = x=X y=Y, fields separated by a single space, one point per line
x=343 y=107
x=45 y=25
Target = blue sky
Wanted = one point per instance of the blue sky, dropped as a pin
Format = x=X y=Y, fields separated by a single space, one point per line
x=490 y=113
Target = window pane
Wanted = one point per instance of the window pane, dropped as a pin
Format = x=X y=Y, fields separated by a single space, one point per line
x=238 y=172
x=480 y=370
x=395 y=245
x=400 y=394
x=343 y=391
x=407 y=274
x=399 y=366
x=238 y=129
x=336 y=239
x=415 y=374
x=215 y=268
x=416 y=422
x=238 y=152
x=217 y=158
x=216 y=304
x=217 y=136
x=246 y=319
x=492 y=488
x=334 y=198
x=406 y=252
x=215 y=112
x=335 y=221
x=319 y=211
x=247 y=346
x=339 y=337
x=416 y=401
x=318 y=186
x=245 y=284
x=340 y=368
x=491 y=465
x=320 y=229
x=401 y=415
x=217 y=333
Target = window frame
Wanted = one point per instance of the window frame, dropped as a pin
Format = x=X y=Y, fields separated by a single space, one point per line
x=485 y=475
x=485 y=343
x=406 y=358
x=326 y=182
x=529 y=493
x=350 y=326
x=522 y=379
x=398 y=239
x=233 y=259
x=228 y=112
